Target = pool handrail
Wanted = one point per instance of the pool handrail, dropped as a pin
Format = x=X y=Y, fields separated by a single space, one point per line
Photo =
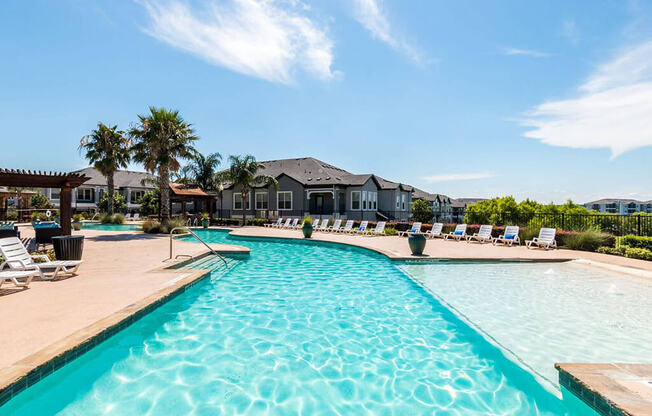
x=200 y=240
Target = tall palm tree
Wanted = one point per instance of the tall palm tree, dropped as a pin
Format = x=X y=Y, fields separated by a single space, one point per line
x=108 y=150
x=243 y=172
x=201 y=170
x=161 y=138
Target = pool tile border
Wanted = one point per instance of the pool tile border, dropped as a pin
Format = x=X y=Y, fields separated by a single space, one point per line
x=30 y=370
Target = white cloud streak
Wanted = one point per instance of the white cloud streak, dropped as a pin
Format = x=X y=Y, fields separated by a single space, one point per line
x=525 y=52
x=612 y=109
x=370 y=14
x=267 y=39
x=449 y=177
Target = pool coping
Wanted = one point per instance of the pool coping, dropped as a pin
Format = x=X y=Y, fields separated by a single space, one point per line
x=609 y=389
x=28 y=371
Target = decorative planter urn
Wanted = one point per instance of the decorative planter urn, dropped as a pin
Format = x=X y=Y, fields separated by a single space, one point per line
x=76 y=225
x=205 y=222
x=417 y=244
x=307 y=230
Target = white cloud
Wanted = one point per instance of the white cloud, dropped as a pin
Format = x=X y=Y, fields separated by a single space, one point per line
x=525 y=52
x=448 y=177
x=612 y=109
x=267 y=39
x=570 y=31
x=371 y=15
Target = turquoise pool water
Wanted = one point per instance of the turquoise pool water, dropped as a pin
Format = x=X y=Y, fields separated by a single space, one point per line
x=110 y=227
x=296 y=328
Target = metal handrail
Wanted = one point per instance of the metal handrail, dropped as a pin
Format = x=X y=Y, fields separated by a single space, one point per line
x=200 y=240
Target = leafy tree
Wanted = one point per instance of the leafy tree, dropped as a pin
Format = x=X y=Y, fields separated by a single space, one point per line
x=201 y=171
x=40 y=201
x=108 y=150
x=496 y=211
x=161 y=138
x=421 y=211
x=149 y=202
x=118 y=203
x=243 y=173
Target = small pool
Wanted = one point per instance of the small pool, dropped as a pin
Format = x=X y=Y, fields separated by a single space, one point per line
x=110 y=227
x=296 y=328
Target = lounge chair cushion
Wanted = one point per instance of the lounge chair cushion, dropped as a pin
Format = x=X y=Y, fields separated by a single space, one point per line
x=7 y=226
x=49 y=224
x=509 y=236
x=457 y=233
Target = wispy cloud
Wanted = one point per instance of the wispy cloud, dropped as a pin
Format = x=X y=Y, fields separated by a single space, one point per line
x=373 y=17
x=268 y=39
x=570 y=31
x=525 y=52
x=611 y=110
x=448 y=177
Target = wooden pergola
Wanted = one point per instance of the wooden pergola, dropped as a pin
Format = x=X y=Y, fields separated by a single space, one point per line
x=191 y=193
x=66 y=182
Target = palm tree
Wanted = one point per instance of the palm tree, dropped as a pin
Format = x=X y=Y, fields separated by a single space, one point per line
x=108 y=150
x=201 y=171
x=244 y=173
x=161 y=138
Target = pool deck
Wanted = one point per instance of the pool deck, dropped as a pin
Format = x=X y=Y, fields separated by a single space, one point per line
x=124 y=274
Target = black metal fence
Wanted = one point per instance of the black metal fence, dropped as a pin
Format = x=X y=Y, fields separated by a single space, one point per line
x=618 y=225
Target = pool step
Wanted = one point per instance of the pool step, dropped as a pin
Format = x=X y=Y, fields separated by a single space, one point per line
x=211 y=262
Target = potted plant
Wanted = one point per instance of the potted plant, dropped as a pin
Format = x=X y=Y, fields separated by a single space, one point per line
x=77 y=222
x=307 y=227
x=205 y=220
x=417 y=242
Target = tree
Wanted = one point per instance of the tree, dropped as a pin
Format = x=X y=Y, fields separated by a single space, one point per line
x=201 y=171
x=118 y=203
x=149 y=203
x=40 y=201
x=421 y=211
x=108 y=150
x=243 y=173
x=161 y=138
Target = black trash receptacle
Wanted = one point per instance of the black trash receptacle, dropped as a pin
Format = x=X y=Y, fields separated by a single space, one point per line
x=68 y=247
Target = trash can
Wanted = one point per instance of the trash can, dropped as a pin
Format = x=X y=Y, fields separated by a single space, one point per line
x=68 y=247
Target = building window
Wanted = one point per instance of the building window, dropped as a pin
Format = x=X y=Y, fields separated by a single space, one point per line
x=403 y=203
x=261 y=200
x=364 y=200
x=54 y=193
x=375 y=201
x=237 y=201
x=355 y=200
x=284 y=200
x=84 y=195
x=398 y=202
x=135 y=196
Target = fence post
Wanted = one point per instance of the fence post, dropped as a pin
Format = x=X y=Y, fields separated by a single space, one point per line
x=639 y=225
x=563 y=222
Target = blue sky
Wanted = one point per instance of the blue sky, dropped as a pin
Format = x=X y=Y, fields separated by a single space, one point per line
x=548 y=100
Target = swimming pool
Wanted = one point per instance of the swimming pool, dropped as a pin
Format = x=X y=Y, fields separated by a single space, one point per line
x=296 y=328
x=110 y=227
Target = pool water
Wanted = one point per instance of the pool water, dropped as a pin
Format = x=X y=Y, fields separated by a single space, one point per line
x=548 y=312
x=110 y=227
x=296 y=328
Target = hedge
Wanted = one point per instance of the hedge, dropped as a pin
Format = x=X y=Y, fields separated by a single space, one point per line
x=636 y=242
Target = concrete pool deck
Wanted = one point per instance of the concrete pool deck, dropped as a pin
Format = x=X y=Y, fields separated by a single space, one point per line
x=124 y=273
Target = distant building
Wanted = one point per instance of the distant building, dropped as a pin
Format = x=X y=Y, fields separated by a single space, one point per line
x=620 y=206
x=131 y=185
x=442 y=205
x=308 y=186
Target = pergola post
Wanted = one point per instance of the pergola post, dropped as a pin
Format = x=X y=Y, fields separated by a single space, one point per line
x=65 y=209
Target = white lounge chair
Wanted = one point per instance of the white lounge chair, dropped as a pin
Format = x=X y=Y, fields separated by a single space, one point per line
x=546 y=239
x=315 y=224
x=347 y=227
x=379 y=230
x=323 y=226
x=13 y=276
x=18 y=258
x=416 y=229
x=435 y=231
x=286 y=224
x=458 y=234
x=336 y=226
x=293 y=223
x=128 y=216
x=509 y=237
x=278 y=222
x=362 y=229
x=482 y=236
x=136 y=217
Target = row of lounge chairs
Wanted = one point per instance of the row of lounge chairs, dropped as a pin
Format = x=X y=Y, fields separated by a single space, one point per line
x=21 y=265
x=337 y=227
x=510 y=236
x=128 y=216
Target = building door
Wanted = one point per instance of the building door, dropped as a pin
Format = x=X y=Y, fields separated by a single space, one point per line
x=320 y=204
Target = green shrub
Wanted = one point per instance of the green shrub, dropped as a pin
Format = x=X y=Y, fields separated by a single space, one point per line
x=390 y=231
x=421 y=211
x=616 y=251
x=149 y=203
x=259 y=222
x=636 y=242
x=155 y=227
x=151 y=226
x=12 y=216
x=528 y=233
x=638 y=253
x=307 y=220
x=586 y=241
x=77 y=217
x=119 y=204
x=41 y=201
x=112 y=219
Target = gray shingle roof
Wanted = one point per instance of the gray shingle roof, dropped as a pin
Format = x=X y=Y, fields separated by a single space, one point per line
x=615 y=201
x=122 y=178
